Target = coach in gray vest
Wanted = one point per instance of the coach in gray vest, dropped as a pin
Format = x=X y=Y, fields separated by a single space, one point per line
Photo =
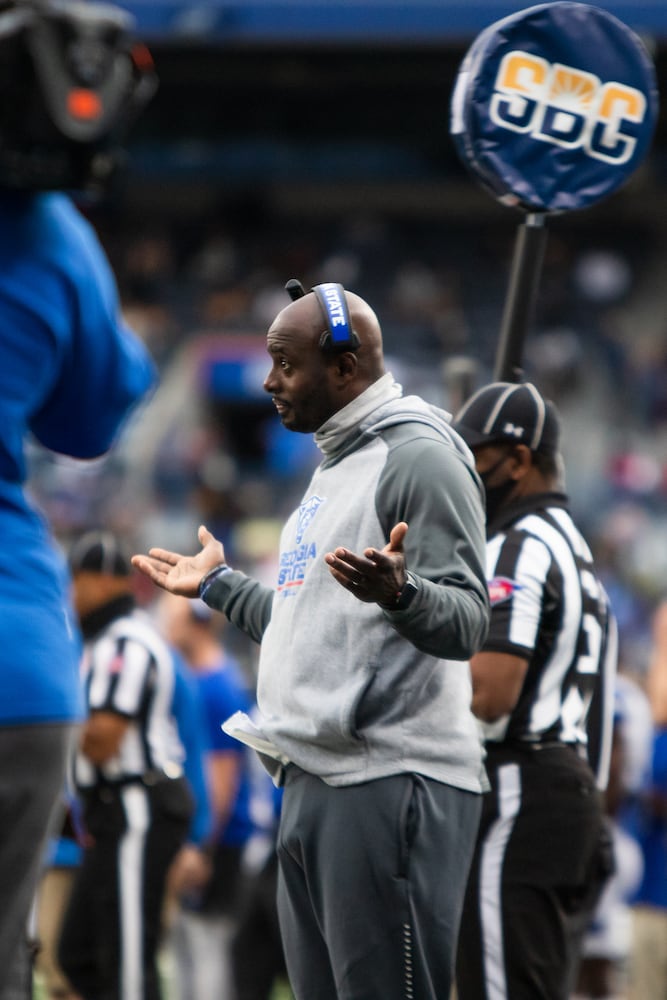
x=364 y=686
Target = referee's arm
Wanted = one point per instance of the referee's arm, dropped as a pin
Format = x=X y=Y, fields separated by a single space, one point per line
x=102 y=736
x=497 y=679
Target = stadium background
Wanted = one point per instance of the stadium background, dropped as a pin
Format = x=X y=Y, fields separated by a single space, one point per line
x=311 y=140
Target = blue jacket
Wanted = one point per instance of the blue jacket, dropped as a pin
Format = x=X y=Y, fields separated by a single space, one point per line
x=649 y=826
x=70 y=373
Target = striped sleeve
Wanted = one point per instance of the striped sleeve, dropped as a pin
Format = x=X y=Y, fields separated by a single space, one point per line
x=120 y=670
x=518 y=569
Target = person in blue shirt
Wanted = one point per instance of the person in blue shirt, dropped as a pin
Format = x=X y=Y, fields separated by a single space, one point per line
x=646 y=820
x=648 y=958
x=209 y=895
x=71 y=373
x=188 y=711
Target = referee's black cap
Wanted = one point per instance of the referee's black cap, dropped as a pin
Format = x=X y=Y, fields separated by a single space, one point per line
x=508 y=411
x=99 y=551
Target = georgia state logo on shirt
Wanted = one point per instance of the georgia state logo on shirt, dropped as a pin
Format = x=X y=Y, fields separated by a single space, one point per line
x=294 y=562
x=500 y=589
x=307 y=512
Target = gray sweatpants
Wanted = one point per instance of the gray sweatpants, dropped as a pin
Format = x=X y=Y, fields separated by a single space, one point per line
x=371 y=884
x=32 y=777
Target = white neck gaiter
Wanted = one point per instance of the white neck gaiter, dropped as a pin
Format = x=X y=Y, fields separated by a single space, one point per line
x=337 y=428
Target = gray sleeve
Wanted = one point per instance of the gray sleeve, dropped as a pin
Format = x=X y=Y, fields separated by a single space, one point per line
x=245 y=602
x=429 y=485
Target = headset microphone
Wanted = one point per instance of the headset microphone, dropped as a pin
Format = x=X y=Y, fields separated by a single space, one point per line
x=295 y=289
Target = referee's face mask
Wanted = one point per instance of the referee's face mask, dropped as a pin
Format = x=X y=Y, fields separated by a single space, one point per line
x=497 y=493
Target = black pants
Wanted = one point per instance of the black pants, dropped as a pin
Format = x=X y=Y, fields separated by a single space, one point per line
x=370 y=885
x=112 y=926
x=540 y=863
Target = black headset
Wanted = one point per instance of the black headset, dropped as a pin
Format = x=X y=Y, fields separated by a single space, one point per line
x=339 y=335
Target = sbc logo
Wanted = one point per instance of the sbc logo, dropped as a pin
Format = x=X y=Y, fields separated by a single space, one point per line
x=566 y=106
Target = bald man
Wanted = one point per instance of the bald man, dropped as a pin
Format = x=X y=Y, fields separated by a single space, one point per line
x=364 y=688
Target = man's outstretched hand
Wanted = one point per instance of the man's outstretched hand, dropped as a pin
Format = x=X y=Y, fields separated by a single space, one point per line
x=182 y=574
x=377 y=575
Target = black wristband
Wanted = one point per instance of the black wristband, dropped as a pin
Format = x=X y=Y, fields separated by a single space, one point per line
x=404 y=596
x=211 y=577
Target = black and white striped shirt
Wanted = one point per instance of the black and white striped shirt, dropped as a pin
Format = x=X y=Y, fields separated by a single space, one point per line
x=549 y=607
x=129 y=669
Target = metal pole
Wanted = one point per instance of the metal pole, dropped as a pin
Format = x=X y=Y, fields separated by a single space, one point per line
x=520 y=302
x=459 y=373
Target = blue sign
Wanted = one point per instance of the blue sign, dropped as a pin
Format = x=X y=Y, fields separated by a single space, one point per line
x=554 y=107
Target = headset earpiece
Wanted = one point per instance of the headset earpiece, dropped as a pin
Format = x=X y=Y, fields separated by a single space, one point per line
x=339 y=335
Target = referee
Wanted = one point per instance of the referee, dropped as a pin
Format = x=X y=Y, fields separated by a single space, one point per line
x=542 y=688
x=129 y=772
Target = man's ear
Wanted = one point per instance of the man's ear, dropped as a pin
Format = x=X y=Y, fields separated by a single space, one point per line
x=521 y=458
x=346 y=365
